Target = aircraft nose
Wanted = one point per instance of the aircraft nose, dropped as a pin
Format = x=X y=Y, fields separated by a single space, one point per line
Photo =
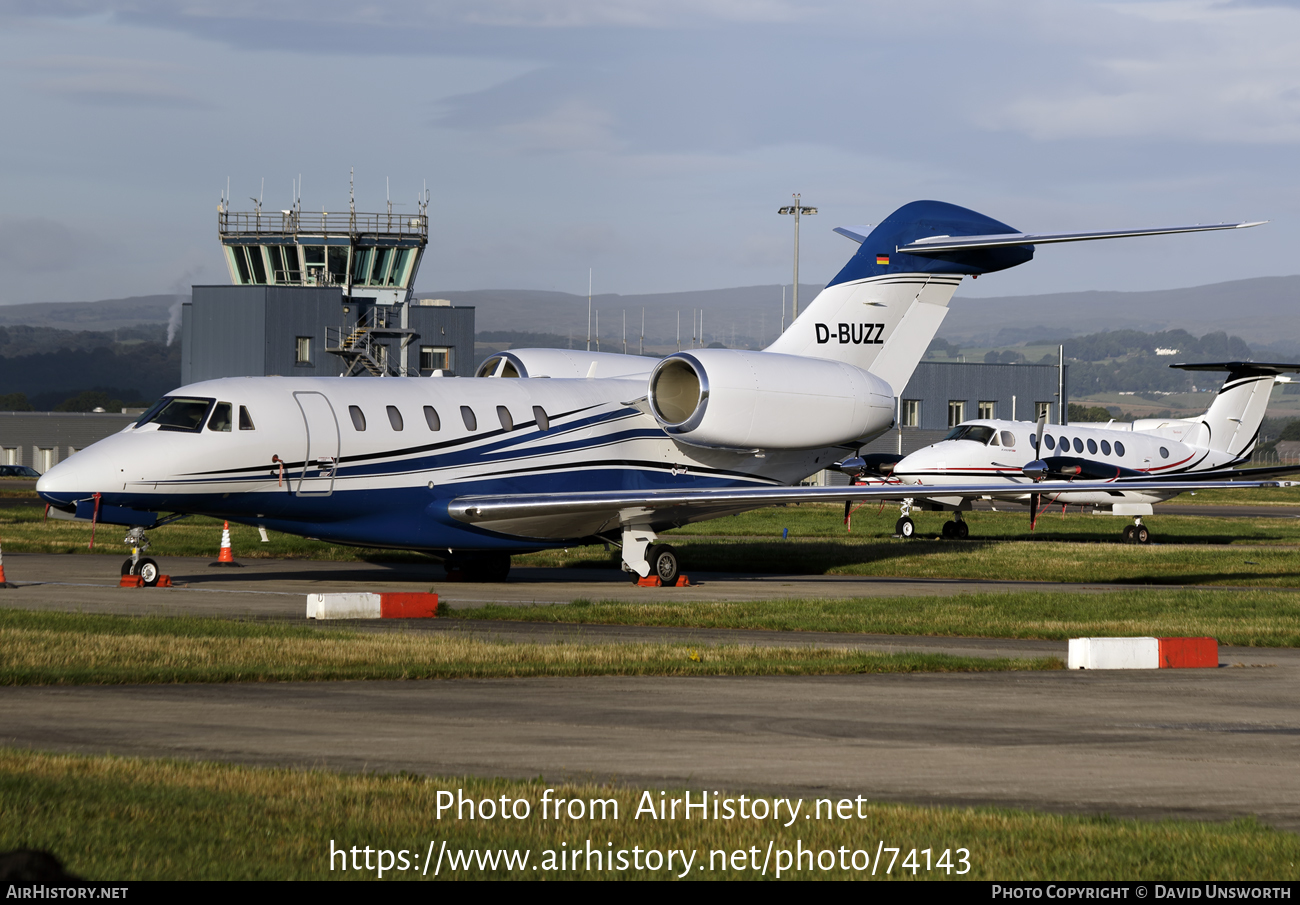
x=73 y=479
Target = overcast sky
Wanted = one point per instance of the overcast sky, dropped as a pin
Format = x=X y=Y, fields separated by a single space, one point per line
x=651 y=140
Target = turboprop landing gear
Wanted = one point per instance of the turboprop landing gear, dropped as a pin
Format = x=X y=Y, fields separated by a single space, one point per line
x=139 y=565
x=905 y=527
x=957 y=529
x=1136 y=533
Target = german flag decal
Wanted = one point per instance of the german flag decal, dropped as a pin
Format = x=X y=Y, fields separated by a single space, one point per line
x=882 y=259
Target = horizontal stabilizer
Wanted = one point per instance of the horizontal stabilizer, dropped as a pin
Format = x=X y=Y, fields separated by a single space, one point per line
x=856 y=233
x=938 y=244
x=1263 y=367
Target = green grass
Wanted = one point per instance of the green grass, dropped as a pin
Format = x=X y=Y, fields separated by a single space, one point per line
x=1254 y=618
x=112 y=818
x=41 y=648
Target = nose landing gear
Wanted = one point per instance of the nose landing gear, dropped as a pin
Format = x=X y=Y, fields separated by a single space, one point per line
x=905 y=527
x=147 y=569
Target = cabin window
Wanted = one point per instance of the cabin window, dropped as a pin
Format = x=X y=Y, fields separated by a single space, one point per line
x=467 y=415
x=245 y=419
x=1119 y=448
x=1078 y=445
x=1048 y=439
x=1164 y=453
x=503 y=415
x=1092 y=446
x=1033 y=441
x=911 y=412
x=977 y=433
x=177 y=413
x=1008 y=438
x=539 y=415
x=358 y=417
x=395 y=418
x=986 y=409
x=431 y=418
x=220 y=420
x=1105 y=447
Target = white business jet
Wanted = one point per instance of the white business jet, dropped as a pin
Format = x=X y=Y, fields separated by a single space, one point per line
x=1099 y=460
x=581 y=447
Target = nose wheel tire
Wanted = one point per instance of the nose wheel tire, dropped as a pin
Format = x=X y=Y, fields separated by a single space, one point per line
x=148 y=571
x=905 y=527
x=663 y=563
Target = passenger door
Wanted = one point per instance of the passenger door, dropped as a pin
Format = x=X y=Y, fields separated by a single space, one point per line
x=321 y=457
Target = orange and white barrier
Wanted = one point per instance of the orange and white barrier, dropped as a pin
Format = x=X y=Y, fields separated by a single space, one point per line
x=397 y=605
x=1143 y=653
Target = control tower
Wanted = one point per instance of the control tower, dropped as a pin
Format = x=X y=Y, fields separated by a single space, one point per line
x=321 y=294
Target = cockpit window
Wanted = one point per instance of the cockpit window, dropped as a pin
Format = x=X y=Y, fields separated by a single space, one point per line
x=979 y=433
x=220 y=420
x=179 y=413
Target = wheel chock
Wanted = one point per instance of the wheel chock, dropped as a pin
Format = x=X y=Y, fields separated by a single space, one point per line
x=683 y=581
x=650 y=581
x=135 y=581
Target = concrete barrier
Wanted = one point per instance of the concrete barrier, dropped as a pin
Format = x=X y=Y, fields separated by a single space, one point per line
x=372 y=606
x=1143 y=653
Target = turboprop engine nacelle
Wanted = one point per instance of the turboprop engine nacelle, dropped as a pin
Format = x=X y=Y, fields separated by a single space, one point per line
x=737 y=399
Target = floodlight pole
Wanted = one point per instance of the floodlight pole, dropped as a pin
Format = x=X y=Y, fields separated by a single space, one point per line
x=797 y=210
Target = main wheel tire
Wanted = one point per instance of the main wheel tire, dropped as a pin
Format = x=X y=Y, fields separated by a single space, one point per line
x=1129 y=532
x=905 y=527
x=149 y=572
x=961 y=530
x=949 y=529
x=664 y=564
x=1142 y=535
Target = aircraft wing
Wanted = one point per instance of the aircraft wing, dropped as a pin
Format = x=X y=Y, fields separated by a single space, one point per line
x=555 y=516
x=938 y=244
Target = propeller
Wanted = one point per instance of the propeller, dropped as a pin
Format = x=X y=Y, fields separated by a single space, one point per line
x=1037 y=469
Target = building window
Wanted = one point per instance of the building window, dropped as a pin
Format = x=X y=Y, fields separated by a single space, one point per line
x=956 y=412
x=302 y=350
x=358 y=417
x=44 y=458
x=503 y=415
x=986 y=410
x=1042 y=410
x=911 y=413
x=431 y=418
x=436 y=358
x=467 y=415
x=10 y=456
x=395 y=418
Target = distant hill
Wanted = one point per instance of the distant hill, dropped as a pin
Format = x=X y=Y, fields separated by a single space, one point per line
x=109 y=314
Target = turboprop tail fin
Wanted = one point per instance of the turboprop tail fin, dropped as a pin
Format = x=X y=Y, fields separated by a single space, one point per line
x=1231 y=424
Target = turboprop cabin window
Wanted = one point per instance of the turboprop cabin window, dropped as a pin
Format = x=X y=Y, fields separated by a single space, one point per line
x=431 y=418
x=220 y=420
x=1119 y=448
x=1008 y=439
x=1049 y=441
x=245 y=419
x=1078 y=445
x=1105 y=447
x=1164 y=453
x=358 y=417
x=178 y=413
x=1092 y=446
x=395 y=418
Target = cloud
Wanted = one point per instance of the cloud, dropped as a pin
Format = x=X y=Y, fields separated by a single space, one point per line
x=110 y=81
x=37 y=245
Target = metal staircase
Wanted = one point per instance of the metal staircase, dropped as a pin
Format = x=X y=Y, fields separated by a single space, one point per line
x=361 y=353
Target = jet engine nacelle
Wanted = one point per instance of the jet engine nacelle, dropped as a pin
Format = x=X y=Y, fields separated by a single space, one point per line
x=563 y=363
x=737 y=399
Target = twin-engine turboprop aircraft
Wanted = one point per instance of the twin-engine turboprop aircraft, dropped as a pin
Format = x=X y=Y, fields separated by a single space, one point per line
x=581 y=447
x=1099 y=461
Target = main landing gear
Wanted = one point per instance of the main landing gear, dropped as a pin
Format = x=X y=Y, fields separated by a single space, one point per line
x=905 y=527
x=646 y=559
x=957 y=529
x=1137 y=532
x=139 y=565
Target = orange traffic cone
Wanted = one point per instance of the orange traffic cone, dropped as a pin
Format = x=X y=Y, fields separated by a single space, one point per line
x=226 y=557
x=3 y=582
